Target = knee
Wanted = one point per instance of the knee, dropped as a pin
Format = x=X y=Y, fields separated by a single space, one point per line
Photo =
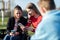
x=7 y=37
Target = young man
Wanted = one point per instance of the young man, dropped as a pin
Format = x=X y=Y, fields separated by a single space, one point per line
x=49 y=27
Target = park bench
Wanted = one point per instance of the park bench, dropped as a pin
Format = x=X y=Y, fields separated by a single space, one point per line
x=2 y=33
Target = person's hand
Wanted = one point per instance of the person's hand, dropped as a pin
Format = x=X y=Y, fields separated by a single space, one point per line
x=29 y=21
x=11 y=34
x=30 y=28
x=23 y=28
x=17 y=33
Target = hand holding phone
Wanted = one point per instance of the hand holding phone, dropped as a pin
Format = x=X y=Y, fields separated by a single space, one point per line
x=21 y=26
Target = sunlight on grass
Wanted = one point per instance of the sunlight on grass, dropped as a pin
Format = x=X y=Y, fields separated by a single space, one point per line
x=5 y=23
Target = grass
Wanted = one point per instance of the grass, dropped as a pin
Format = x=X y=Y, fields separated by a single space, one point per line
x=5 y=23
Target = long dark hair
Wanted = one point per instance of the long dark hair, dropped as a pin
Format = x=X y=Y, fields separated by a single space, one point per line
x=33 y=7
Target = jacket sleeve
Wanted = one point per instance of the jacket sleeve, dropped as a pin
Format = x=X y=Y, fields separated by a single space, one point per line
x=9 y=25
x=47 y=30
x=23 y=21
x=28 y=23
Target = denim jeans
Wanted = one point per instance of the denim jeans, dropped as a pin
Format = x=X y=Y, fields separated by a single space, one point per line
x=8 y=37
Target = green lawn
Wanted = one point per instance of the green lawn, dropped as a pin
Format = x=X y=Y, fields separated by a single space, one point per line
x=5 y=23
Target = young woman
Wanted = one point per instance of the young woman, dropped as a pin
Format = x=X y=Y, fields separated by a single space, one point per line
x=34 y=16
x=14 y=31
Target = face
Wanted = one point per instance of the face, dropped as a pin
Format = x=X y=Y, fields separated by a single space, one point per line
x=30 y=12
x=17 y=13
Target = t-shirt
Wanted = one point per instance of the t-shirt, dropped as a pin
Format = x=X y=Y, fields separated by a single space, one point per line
x=16 y=25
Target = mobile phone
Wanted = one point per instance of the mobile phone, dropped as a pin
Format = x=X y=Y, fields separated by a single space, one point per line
x=21 y=25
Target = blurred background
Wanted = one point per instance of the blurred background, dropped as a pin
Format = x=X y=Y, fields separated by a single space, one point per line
x=7 y=7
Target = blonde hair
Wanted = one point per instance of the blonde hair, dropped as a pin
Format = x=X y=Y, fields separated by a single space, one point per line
x=18 y=8
x=48 y=4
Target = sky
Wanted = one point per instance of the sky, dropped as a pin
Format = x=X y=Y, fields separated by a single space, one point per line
x=23 y=3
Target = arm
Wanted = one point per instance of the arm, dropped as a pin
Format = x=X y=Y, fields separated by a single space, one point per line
x=9 y=25
x=28 y=23
x=23 y=21
x=46 y=30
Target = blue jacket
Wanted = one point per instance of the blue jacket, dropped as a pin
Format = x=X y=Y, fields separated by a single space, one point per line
x=49 y=27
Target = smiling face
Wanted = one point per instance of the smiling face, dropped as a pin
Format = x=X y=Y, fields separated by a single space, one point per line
x=17 y=13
